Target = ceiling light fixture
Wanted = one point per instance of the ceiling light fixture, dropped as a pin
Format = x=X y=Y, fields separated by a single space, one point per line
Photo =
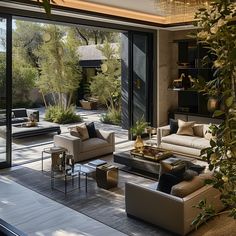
x=179 y=7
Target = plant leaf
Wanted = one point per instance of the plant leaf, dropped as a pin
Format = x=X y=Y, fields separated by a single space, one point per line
x=218 y=113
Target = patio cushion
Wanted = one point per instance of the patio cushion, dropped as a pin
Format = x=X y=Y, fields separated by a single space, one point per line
x=93 y=144
x=20 y=112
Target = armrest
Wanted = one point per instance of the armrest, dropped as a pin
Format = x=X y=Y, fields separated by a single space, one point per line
x=162 y=132
x=71 y=143
x=106 y=135
x=155 y=207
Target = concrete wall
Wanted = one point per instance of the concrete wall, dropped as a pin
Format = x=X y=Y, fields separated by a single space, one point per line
x=167 y=71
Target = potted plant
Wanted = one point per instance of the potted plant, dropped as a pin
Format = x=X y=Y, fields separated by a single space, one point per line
x=137 y=130
x=218 y=32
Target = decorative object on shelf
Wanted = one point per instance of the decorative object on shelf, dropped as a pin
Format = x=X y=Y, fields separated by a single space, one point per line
x=138 y=129
x=178 y=83
x=212 y=104
x=217 y=31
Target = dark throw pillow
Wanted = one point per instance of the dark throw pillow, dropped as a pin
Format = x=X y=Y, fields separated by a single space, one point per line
x=91 y=130
x=166 y=182
x=189 y=175
x=173 y=126
x=197 y=168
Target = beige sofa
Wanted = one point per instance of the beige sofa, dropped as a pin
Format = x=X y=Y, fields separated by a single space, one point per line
x=90 y=148
x=165 y=210
x=183 y=144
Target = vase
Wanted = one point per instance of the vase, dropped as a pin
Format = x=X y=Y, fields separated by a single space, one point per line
x=138 y=145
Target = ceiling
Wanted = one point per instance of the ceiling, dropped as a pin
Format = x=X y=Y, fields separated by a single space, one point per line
x=144 y=6
x=140 y=10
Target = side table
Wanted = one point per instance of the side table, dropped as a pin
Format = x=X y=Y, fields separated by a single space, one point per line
x=85 y=170
x=107 y=176
x=53 y=151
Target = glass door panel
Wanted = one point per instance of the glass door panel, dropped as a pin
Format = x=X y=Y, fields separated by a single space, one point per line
x=141 y=89
x=5 y=130
x=139 y=76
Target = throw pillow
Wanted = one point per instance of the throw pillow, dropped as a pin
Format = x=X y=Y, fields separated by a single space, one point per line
x=189 y=175
x=80 y=131
x=185 y=128
x=197 y=168
x=198 y=130
x=173 y=126
x=91 y=130
x=166 y=182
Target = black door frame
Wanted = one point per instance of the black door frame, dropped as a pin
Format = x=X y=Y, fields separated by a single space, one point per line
x=8 y=87
x=11 y=13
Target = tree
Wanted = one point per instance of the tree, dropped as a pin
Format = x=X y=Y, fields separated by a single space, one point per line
x=106 y=85
x=58 y=60
x=218 y=33
x=89 y=36
x=27 y=38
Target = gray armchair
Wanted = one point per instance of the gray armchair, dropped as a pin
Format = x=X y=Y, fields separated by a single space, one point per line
x=83 y=150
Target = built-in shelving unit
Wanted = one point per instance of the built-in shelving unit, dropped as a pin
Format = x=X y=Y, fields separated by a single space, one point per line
x=190 y=57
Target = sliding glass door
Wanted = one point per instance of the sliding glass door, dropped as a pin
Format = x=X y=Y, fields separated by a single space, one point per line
x=5 y=91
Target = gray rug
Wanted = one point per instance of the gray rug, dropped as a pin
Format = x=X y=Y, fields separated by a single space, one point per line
x=105 y=206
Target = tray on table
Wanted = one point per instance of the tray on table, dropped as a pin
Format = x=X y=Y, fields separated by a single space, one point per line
x=151 y=153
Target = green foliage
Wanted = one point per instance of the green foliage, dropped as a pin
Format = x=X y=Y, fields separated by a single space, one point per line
x=139 y=127
x=111 y=117
x=207 y=211
x=58 y=60
x=218 y=33
x=59 y=115
x=88 y=36
x=23 y=81
x=106 y=85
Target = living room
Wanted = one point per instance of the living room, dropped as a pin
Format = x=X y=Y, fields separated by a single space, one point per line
x=111 y=196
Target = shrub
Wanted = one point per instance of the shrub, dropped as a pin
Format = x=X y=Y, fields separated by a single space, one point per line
x=59 y=115
x=111 y=117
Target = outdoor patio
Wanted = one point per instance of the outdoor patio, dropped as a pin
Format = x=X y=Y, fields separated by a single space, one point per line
x=29 y=149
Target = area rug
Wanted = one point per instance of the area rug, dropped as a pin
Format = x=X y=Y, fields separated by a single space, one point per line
x=105 y=206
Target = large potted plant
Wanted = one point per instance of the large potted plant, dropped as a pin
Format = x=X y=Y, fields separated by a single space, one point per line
x=218 y=33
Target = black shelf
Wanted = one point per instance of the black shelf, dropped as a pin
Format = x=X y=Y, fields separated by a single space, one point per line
x=190 y=55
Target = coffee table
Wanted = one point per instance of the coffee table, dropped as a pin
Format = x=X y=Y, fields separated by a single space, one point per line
x=147 y=166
